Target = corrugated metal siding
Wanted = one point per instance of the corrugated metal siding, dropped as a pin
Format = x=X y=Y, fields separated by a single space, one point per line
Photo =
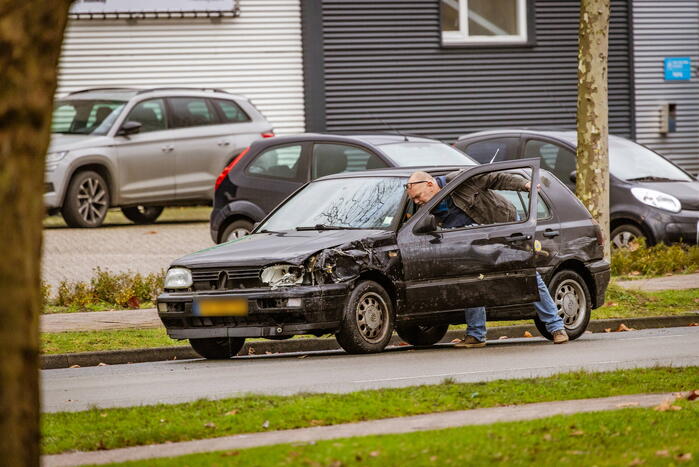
x=383 y=60
x=257 y=54
x=665 y=28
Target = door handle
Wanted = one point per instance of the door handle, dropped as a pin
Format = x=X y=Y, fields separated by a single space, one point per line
x=551 y=233
x=168 y=148
x=518 y=237
x=224 y=143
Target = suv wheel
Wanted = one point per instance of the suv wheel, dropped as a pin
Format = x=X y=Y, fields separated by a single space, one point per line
x=235 y=230
x=623 y=235
x=217 y=348
x=142 y=214
x=87 y=200
x=421 y=335
x=367 y=322
x=572 y=298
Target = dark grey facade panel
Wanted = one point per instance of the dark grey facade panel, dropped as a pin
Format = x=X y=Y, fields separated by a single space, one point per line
x=383 y=61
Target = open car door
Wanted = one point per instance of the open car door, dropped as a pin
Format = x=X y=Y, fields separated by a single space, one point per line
x=486 y=264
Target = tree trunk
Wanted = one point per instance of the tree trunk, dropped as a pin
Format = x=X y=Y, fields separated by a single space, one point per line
x=31 y=33
x=592 y=183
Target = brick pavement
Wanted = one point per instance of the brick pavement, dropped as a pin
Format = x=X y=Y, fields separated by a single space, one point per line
x=73 y=254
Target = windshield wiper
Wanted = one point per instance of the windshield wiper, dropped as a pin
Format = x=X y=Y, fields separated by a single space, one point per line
x=651 y=178
x=326 y=227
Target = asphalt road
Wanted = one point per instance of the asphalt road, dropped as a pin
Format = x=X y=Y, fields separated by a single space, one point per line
x=337 y=372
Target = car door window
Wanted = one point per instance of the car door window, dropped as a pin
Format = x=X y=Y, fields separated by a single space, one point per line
x=556 y=159
x=491 y=150
x=278 y=162
x=150 y=114
x=330 y=159
x=191 y=111
x=520 y=200
x=230 y=111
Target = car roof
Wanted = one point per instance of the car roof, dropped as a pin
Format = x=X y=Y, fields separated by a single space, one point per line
x=376 y=139
x=129 y=93
x=396 y=172
x=569 y=136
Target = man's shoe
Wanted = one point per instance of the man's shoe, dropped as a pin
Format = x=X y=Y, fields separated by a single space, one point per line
x=560 y=337
x=469 y=343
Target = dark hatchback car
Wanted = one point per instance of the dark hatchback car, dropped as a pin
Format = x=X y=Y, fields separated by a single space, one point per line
x=649 y=195
x=271 y=169
x=351 y=255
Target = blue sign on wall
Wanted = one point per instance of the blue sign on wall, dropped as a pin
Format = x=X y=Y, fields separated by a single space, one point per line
x=678 y=69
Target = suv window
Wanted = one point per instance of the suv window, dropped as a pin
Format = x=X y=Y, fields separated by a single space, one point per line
x=330 y=159
x=484 y=151
x=150 y=114
x=85 y=117
x=556 y=159
x=277 y=162
x=191 y=111
x=231 y=112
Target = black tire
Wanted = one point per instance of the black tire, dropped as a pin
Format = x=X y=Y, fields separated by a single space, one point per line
x=87 y=200
x=235 y=229
x=417 y=335
x=367 y=320
x=217 y=348
x=142 y=214
x=568 y=290
x=624 y=234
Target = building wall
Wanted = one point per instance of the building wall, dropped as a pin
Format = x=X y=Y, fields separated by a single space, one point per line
x=383 y=62
x=257 y=54
x=667 y=28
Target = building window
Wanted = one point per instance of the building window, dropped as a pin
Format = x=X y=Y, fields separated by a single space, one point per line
x=484 y=21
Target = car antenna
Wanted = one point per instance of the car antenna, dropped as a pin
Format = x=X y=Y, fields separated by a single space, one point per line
x=494 y=156
x=394 y=129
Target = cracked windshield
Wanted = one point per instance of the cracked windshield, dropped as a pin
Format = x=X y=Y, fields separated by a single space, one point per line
x=366 y=203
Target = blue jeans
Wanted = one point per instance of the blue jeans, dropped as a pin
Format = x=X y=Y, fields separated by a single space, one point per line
x=545 y=308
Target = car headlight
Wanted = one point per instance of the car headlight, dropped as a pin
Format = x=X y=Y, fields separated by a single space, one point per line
x=55 y=156
x=178 y=278
x=282 y=275
x=657 y=199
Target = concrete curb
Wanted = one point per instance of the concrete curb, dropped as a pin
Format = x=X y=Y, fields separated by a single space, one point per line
x=116 y=357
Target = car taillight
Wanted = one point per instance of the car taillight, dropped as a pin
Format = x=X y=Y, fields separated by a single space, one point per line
x=267 y=135
x=598 y=232
x=229 y=167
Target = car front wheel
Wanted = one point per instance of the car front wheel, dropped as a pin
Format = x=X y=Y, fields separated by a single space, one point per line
x=367 y=322
x=236 y=229
x=142 y=214
x=87 y=200
x=218 y=348
x=418 y=335
x=573 y=302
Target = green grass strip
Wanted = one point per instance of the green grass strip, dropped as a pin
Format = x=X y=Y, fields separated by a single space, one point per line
x=114 y=428
x=91 y=341
x=617 y=438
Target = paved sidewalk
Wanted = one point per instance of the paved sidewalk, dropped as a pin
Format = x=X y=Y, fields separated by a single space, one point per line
x=100 y=320
x=434 y=421
x=674 y=282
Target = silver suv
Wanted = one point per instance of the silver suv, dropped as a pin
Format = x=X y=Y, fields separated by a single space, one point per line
x=141 y=150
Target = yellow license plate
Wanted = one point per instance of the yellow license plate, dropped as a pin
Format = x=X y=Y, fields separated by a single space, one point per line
x=222 y=307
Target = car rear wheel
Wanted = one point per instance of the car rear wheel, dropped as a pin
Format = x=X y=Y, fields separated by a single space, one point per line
x=624 y=235
x=572 y=298
x=367 y=322
x=418 y=335
x=235 y=230
x=142 y=214
x=218 y=348
x=87 y=200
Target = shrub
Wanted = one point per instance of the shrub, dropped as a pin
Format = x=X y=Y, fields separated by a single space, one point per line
x=659 y=259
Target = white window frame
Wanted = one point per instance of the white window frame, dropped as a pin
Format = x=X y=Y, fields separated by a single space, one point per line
x=461 y=36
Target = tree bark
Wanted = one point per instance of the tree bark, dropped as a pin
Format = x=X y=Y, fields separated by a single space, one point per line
x=592 y=184
x=31 y=34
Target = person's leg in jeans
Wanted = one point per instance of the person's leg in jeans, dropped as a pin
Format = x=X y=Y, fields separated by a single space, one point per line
x=475 y=322
x=546 y=308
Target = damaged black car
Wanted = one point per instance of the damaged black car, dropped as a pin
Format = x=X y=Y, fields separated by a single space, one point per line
x=351 y=255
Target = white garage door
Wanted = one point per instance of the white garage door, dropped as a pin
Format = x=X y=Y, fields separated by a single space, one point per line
x=257 y=54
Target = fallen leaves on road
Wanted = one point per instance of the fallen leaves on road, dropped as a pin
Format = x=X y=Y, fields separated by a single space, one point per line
x=151 y=232
x=303 y=356
x=74 y=366
x=102 y=364
x=693 y=395
x=607 y=329
x=502 y=337
x=455 y=341
x=623 y=328
x=693 y=324
x=527 y=334
x=251 y=351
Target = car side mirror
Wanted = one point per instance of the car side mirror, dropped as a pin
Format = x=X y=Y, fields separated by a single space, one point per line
x=573 y=176
x=129 y=128
x=427 y=224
